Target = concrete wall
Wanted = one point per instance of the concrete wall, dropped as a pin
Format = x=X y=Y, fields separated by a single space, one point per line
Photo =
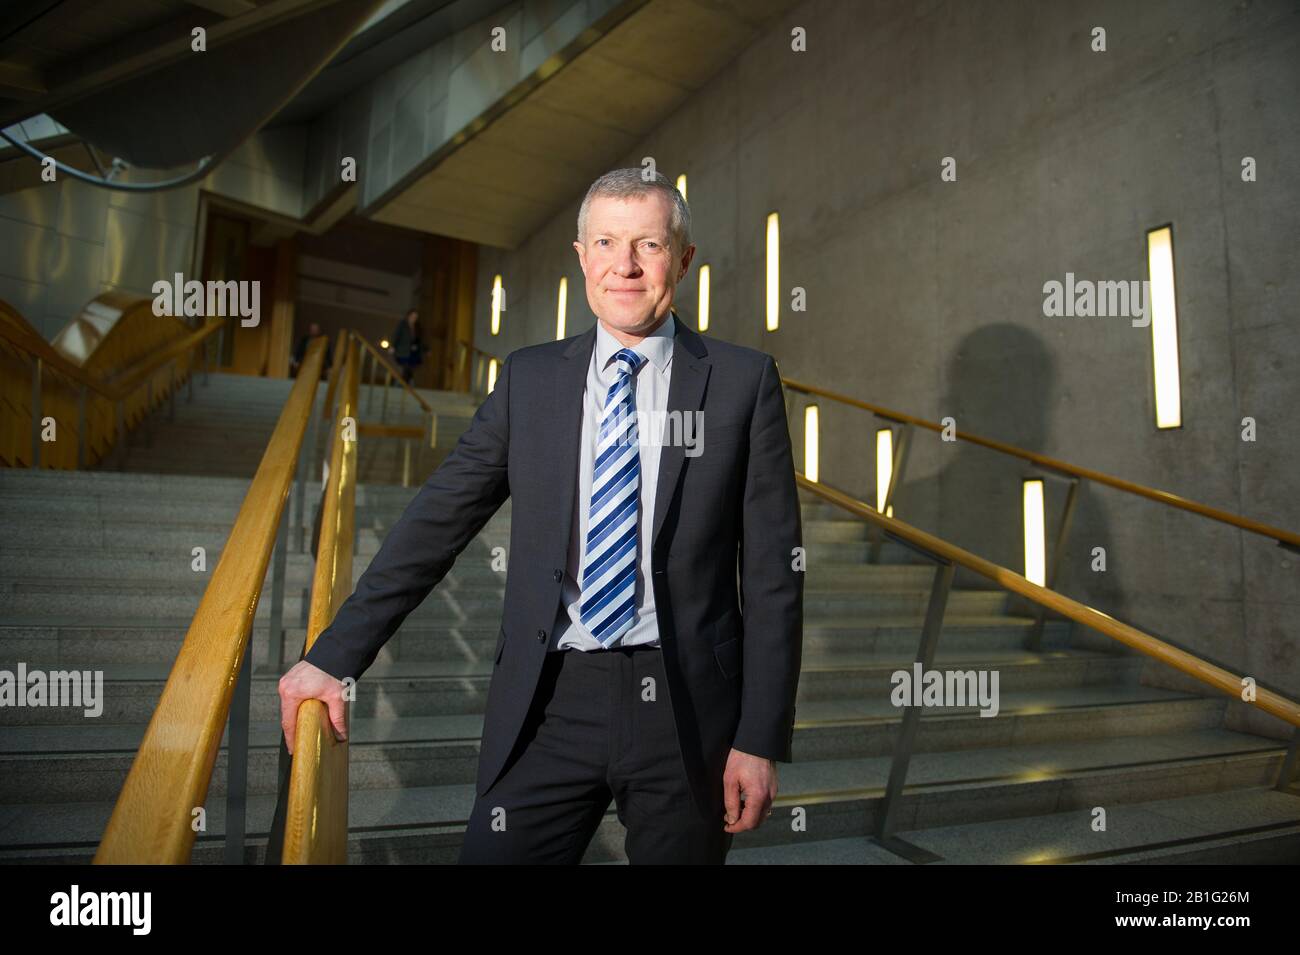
x=394 y=122
x=927 y=296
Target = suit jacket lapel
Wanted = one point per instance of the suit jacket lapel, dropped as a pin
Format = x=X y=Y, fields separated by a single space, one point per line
x=570 y=380
x=690 y=373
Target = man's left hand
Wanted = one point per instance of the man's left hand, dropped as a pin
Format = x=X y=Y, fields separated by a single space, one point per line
x=751 y=780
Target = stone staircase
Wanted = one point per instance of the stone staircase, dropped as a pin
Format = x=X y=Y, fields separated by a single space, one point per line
x=223 y=432
x=95 y=573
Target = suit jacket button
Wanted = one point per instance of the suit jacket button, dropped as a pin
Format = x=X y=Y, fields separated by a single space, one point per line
x=541 y=636
x=559 y=574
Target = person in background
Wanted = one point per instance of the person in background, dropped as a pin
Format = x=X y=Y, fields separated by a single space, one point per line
x=300 y=351
x=406 y=346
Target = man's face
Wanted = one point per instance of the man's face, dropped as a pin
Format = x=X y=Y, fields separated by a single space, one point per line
x=629 y=263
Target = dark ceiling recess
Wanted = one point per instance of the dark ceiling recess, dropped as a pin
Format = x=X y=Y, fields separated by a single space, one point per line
x=122 y=74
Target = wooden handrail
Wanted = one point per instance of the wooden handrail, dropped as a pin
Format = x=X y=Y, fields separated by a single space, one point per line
x=121 y=385
x=130 y=379
x=316 y=815
x=1062 y=467
x=485 y=354
x=153 y=820
x=24 y=340
x=340 y=347
x=1188 y=663
x=392 y=370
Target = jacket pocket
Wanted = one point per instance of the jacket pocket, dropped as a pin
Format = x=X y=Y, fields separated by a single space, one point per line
x=727 y=654
x=727 y=645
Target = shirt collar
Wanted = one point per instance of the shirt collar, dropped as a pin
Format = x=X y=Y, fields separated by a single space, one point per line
x=657 y=346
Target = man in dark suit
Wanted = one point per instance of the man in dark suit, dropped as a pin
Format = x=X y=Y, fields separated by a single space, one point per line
x=652 y=631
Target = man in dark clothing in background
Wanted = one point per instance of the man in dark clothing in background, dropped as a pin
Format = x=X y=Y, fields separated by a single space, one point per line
x=300 y=351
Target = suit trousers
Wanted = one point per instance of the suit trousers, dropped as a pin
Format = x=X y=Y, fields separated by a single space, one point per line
x=600 y=728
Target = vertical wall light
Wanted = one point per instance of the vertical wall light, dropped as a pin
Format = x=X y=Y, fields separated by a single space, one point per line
x=561 y=307
x=1035 y=539
x=1164 y=327
x=704 y=298
x=496 y=304
x=810 y=443
x=681 y=184
x=773 y=272
x=492 y=374
x=884 y=467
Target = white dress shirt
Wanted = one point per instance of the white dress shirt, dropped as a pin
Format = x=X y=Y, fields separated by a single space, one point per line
x=651 y=390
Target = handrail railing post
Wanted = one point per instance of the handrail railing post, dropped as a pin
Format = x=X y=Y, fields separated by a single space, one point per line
x=237 y=761
x=930 y=630
x=275 y=636
x=1287 y=774
x=383 y=407
x=306 y=457
x=36 y=410
x=406 y=463
x=1035 y=641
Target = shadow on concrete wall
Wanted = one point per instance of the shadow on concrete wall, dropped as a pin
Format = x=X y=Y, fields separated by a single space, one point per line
x=1001 y=383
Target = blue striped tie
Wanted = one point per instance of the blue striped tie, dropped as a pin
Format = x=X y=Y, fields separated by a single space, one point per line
x=609 y=565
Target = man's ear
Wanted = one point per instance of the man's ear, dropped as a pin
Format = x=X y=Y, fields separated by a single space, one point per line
x=685 y=262
x=582 y=255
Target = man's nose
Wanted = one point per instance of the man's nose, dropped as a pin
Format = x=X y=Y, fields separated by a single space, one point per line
x=625 y=263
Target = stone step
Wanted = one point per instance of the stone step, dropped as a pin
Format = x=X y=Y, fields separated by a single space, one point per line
x=837 y=684
x=835 y=799
x=80 y=643
x=1251 y=826
x=53 y=760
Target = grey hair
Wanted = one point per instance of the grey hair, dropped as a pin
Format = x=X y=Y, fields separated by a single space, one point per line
x=630 y=183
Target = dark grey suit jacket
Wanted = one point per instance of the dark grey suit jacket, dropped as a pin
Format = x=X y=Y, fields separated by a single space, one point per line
x=728 y=599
